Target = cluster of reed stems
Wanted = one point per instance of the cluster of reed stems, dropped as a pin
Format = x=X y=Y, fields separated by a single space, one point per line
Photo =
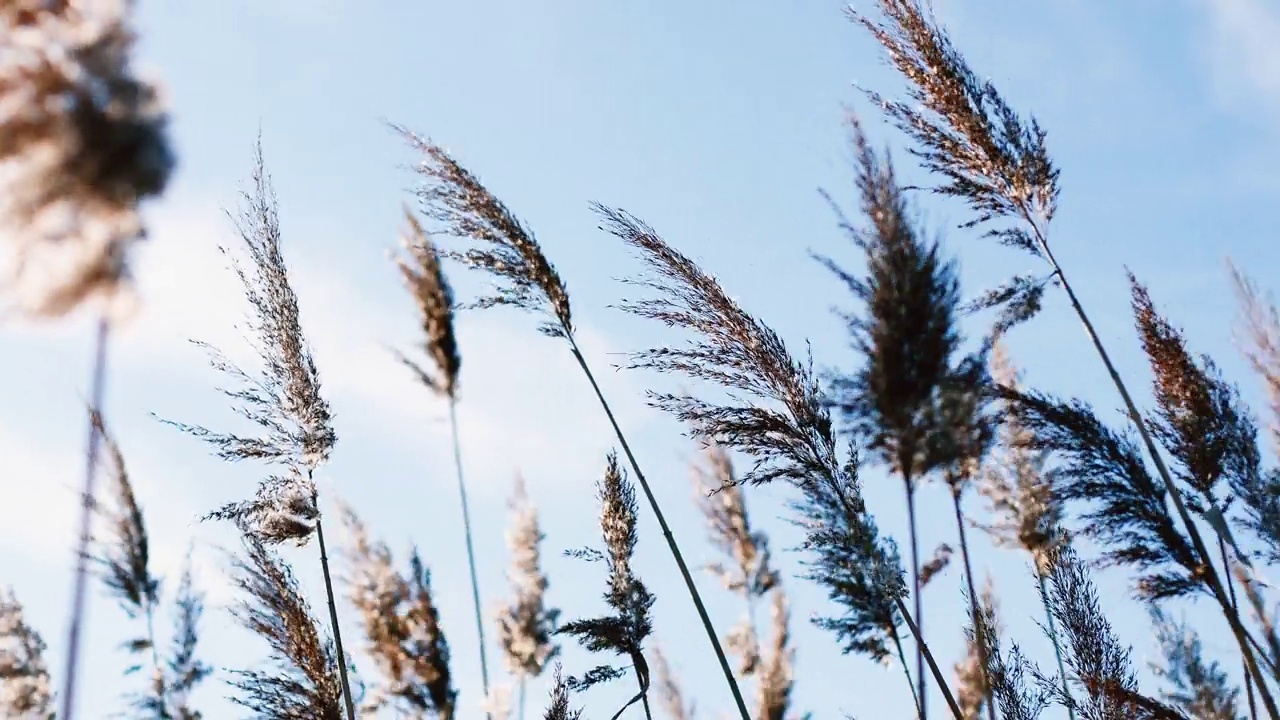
x=1181 y=499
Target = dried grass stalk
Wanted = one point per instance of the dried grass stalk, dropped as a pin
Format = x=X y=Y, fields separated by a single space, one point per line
x=402 y=626
x=526 y=625
x=302 y=683
x=777 y=666
x=559 y=708
x=82 y=142
x=624 y=632
x=25 y=691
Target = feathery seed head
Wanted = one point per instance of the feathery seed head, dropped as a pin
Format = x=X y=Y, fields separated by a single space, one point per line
x=83 y=142
x=989 y=156
x=24 y=677
x=283 y=399
x=670 y=692
x=506 y=249
x=402 y=624
x=1259 y=334
x=559 y=708
x=124 y=556
x=1197 y=686
x=908 y=333
x=1200 y=419
x=304 y=683
x=285 y=509
x=624 y=632
x=1016 y=482
x=424 y=277
x=723 y=504
x=777 y=672
x=778 y=416
x=526 y=625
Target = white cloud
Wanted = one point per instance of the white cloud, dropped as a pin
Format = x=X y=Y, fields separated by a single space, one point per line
x=1240 y=40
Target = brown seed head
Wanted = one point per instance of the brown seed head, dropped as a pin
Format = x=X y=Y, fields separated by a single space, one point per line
x=424 y=278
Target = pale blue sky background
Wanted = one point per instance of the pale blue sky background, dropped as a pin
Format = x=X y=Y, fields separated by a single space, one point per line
x=715 y=121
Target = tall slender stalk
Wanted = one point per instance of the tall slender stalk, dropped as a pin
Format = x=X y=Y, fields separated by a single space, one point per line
x=1052 y=627
x=915 y=594
x=668 y=536
x=980 y=641
x=933 y=664
x=906 y=670
x=471 y=554
x=520 y=712
x=1231 y=588
x=333 y=621
x=97 y=389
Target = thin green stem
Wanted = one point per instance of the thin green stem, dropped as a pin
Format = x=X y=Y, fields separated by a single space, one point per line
x=520 y=715
x=667 y=535
x=471 y=554
x=333 y=622
x=980 y=638
x=906 y=670
x=919 y=601
x=1193 y=532
x=80 y=585
x=1053 y=637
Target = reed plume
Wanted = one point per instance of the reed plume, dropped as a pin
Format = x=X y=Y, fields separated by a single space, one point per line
x=83 y=141
x=1100 y=667
x=507 y=250
x=559 y=708
x=972 y=687
x=723 y=504
x=302 y=683
x=1019 y=488
x=25 y=690
x=998 y=163
x=1203 y=425
x=124 y=558
x=402 y=625
x=282 y=398
x=624 y=632
x=1014 y=680
x=1259 y=334
x=906 y=404
x=670 y=691
x=424 y=278
x=777 y=415
x=526 y=625
x=1197 y=686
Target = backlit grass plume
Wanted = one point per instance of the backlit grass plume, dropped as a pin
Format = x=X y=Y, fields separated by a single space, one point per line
x=123 y=555
x=1204 y=426
x=751 y=575
x=25 y=690
x=526 y=624
x=402 y=627
x=505 y=249
x=1197 y=686
x=281 y=397
x=989 y=156
x=1025 y=508
x=905 y=404
x=559 y=708
x=775 y=414
x=669 y=689
x=622 y=633
x=1015 y=681
x=302 y=682
x=1259 y=334
x=83 y=141
x=1100 y=668
x=424 y=278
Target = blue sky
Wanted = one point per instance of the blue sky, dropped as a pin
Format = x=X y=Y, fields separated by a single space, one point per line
x=717 y=122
